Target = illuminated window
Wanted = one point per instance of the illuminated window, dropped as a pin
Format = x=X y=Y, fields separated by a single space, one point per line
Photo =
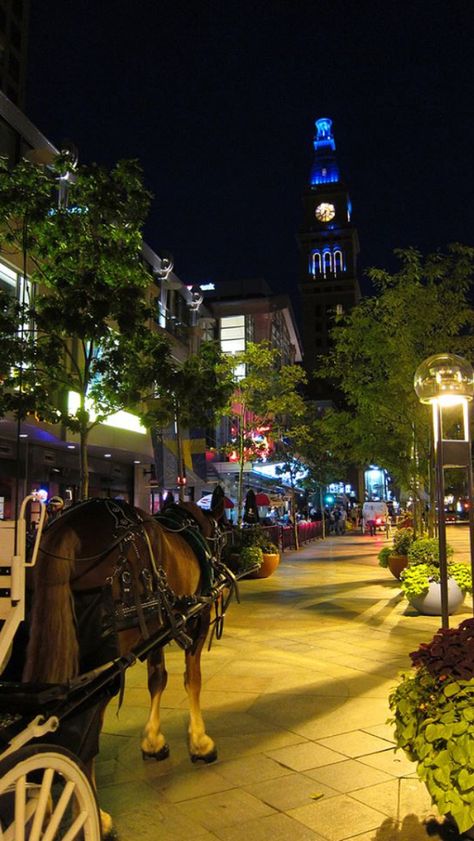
x=338 y=262
x=8 y=279
x=327 y=263
x=232 y=334
x=316 y=266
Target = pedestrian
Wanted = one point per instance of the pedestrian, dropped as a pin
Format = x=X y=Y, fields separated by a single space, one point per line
x=341 y=521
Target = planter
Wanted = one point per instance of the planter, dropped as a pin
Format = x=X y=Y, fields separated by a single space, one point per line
x=269 y=565
x=396 y=564
x=430 y=603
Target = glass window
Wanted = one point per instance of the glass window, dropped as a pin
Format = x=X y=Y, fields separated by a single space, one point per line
x=233 y=321
x=233 y=345
x=316 y=263
x=338 y=264
x=8 y=279
x=231 y=333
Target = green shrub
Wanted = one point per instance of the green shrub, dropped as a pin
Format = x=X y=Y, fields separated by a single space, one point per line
x=251 y=556
x=433 y=708
x=416 y=578
x=270 y=548
x=425 y=550
x=384 y=555
x=252 y=536
x=462 y=576
x=402 y=540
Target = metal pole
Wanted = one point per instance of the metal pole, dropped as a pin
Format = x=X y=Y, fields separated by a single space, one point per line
x=321 y=506
x=467 y=433
x=443 y=564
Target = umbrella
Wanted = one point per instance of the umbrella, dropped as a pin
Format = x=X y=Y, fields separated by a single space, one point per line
x=251 y=508
x=262 y=499
x=205 y=502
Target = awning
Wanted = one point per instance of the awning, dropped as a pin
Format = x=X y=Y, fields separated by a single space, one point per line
x=205 y=502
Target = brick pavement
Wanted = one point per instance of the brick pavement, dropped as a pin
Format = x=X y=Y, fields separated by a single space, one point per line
x=295 y=696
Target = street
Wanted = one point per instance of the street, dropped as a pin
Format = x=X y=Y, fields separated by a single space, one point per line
x=295 y=696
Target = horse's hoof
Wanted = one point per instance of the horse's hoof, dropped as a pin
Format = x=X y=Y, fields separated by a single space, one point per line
x=207 y=758
x=163 y=753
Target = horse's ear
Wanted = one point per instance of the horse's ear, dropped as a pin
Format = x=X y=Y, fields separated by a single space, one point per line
x=217 y=506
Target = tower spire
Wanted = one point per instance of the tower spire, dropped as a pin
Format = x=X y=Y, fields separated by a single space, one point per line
x=325 y=169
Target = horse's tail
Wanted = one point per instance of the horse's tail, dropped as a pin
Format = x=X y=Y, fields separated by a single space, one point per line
x=52 y=654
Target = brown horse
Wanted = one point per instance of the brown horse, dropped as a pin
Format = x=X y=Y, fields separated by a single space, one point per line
x=107 y=547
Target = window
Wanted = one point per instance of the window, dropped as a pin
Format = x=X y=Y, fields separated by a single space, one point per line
x=338 y=262
x=8 y=279
x=315 y=266
x=233 y=334
x=327 y=263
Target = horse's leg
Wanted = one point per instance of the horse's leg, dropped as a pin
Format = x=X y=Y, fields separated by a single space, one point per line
x=201 y=746
x=106 y=822
x=153 y=742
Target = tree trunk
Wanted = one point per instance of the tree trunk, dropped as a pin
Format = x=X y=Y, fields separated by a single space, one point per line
x=180 y=460
x=323 y=519
x=84 y=465
x=293 y=518
x=240 y=499
x=157 y=444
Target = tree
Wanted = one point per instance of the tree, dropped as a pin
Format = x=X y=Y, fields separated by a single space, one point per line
x=196 y=395
x=87 y=326
x=311 y=448
x=420 y=310
x=264 y=400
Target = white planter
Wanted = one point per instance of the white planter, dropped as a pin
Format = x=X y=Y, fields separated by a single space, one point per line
x=430 y=603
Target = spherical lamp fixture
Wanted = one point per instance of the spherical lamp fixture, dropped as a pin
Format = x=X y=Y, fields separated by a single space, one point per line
x=445 y=378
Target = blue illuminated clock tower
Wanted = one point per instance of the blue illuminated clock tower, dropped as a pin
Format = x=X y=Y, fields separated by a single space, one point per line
x=329 y=247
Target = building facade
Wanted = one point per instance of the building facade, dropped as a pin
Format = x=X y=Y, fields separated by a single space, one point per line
x=13 y=48
x=124 y=460
x=239 y=313
x=329 y=247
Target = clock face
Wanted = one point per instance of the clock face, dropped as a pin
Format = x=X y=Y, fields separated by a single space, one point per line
x=325 y=212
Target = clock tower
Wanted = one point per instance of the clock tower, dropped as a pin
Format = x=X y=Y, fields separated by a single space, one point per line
x=329 y=247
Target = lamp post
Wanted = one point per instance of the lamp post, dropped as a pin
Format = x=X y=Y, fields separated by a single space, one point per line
x=444 y=381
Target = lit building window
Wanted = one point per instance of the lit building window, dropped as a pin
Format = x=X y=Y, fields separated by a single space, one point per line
x=8 y=279
x=233 y=336
x=315 y=263
x=338 y=262
x=327 y=263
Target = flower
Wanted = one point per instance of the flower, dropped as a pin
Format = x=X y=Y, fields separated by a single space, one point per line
x=449 y=654
x=433 y=708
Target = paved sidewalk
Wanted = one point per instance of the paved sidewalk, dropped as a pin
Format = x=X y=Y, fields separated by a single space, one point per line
x=295 y=695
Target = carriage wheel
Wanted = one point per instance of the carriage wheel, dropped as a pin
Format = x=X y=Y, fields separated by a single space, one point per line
x=45 y=795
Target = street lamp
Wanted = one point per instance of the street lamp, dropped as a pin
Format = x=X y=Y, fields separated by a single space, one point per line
x=446 y=380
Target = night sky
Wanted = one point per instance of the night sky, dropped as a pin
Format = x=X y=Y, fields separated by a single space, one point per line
x=218 y=100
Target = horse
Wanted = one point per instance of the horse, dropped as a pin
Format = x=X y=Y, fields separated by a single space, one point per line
x=102 y=562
